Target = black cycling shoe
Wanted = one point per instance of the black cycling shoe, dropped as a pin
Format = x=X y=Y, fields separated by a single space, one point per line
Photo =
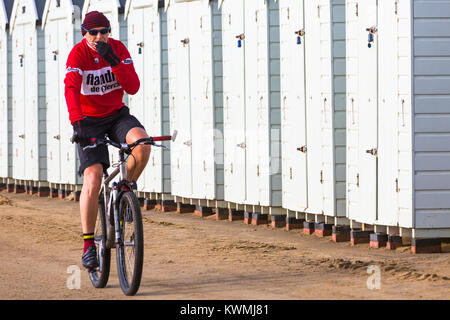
x=89 y=258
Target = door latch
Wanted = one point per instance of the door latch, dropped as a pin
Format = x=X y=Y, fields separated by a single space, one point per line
x=302 y=149
x=185 y=42
x=242 y=145
x=372 y=151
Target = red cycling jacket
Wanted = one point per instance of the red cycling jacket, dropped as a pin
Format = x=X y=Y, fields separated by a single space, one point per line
x=92 y=87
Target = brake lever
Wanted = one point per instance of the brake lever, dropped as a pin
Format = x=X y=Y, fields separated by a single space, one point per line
x=92 y=146
x=160 y=145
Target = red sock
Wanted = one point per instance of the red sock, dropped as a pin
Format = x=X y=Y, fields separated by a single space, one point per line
x=88 y=240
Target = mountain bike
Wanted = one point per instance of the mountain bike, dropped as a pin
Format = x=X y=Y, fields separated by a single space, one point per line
x=119 y=220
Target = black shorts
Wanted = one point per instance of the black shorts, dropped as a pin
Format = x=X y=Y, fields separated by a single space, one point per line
x=116 y=126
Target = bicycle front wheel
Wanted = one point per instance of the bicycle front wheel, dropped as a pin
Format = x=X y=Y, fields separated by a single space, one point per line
x=99 y=277
x=130 y=252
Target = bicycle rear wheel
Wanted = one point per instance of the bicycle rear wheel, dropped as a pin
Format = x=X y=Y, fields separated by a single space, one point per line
x=99 y=277
x=130 y=253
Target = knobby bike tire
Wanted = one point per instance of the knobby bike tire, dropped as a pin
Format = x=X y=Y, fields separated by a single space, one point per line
x=99 y=277
x=130 y=253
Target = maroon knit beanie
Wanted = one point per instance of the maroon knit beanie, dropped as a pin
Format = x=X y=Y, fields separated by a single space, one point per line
x=94 y=19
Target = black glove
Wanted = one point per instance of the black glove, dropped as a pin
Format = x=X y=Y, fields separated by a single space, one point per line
x=106 y=52
x=80 y=136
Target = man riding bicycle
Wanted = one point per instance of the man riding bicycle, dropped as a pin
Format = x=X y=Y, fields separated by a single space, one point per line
x=99 y=70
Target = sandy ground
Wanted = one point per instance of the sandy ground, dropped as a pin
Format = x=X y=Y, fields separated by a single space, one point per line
x=193 y=258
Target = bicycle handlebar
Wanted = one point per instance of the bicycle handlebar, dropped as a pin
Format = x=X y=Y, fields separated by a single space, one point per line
x=126 y=147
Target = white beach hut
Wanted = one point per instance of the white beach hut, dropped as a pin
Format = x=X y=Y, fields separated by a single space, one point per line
x=251 y=98
x=195 y=87
x=61 y=22
x=147 y=40
x=398 y=173
x=313 y=106
x=29 y=154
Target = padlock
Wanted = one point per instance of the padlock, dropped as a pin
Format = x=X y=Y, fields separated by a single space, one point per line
x=140 y=45
x=240 y=38
x=300 y=34
x=54 y=57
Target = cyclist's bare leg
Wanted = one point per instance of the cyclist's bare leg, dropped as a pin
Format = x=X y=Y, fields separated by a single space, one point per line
x=89 y=196
x=141 y=154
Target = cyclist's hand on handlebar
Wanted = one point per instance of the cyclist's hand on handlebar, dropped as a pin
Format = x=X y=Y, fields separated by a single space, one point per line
x=78 y=135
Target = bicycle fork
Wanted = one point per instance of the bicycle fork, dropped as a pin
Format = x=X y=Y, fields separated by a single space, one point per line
x=116 y=215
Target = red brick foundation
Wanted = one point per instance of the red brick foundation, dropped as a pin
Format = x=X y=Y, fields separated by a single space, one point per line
x=19 y=189
x=378 y=240
x=53 y=193
x=247 y=217
x=202 y=211
x=61 y=194
x=294 y=223
x=340 y=233
x=149 y=204
x=278 y=221
x=235 y=215
x=308 y=227
x=358 y=237
x=259 y=218
x=394 y=242
x=31 y=190
x=184 y=208
x=166 y=206
x=322 y=230
x=9 y=188
x=221 y=214
x=43 y=192
x=423 y=245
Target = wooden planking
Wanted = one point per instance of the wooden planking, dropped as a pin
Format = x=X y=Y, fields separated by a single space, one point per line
x=431 y=9
x=339 y=91
x=431 y=65
x=275 y=103
x=10 y=103
x=433 y=180
x=42 y=107
x=166 y=130
x=432 y=142
x=217 y=69
x=431 y=104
